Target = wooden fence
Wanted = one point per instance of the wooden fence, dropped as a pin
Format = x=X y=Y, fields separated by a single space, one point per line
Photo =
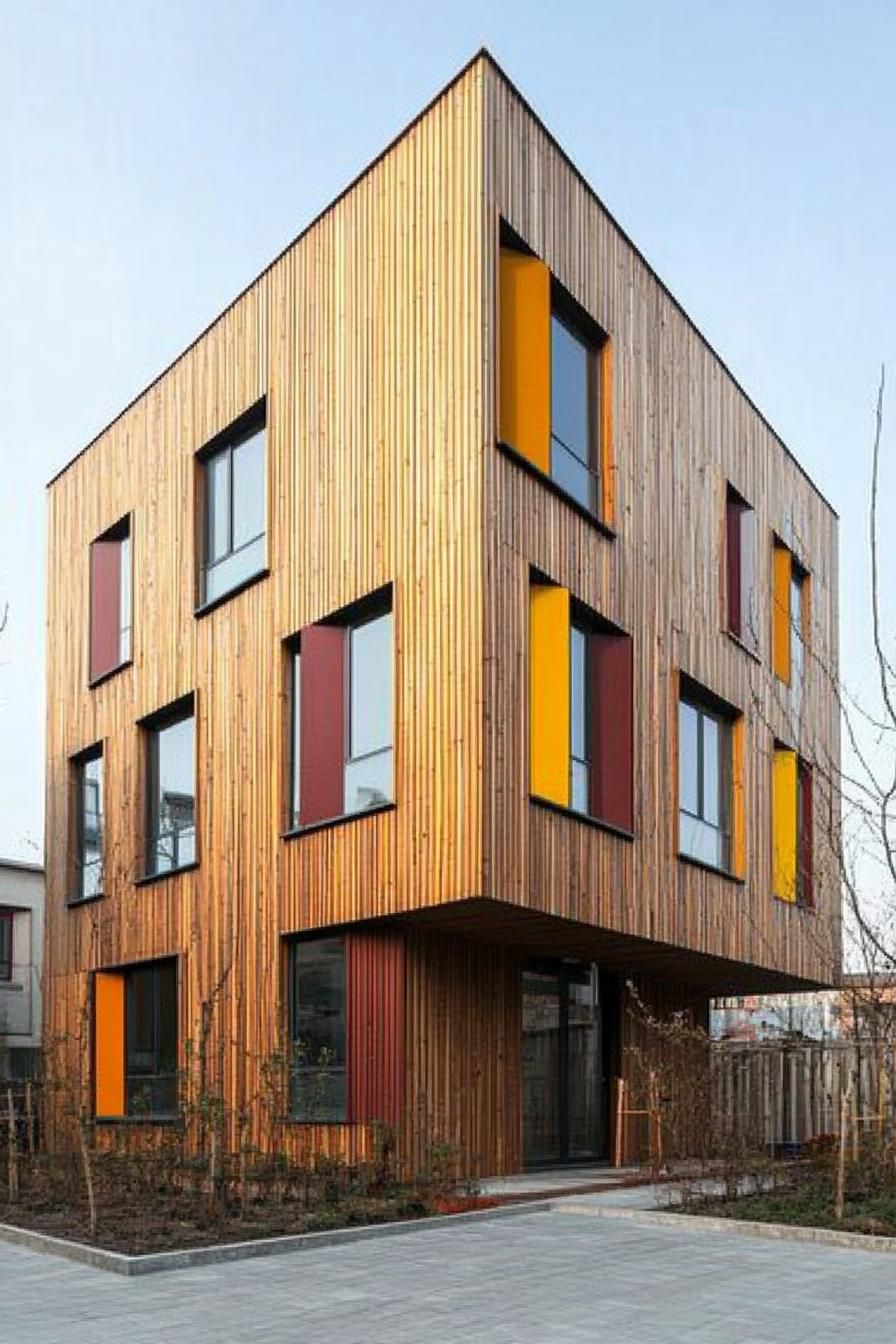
x=776 y=1096
x=790 y=1092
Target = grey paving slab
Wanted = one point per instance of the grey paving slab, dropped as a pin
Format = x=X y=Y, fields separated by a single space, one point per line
x=552 y=1277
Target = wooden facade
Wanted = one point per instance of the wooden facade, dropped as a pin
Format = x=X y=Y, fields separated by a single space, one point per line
x=373 y=339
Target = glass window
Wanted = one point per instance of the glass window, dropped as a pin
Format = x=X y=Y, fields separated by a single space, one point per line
x=318 y=1030
x=573 y=414
x=89 y=776
x=5 y=944
x=579 y=720
x=234 y=514
x=797 y=645
x=704 y=784
x=368 y=770
x=172 y=795
x=151 y=1040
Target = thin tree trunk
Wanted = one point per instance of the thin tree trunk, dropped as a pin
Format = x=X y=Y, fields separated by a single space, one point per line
x=88 y=1177
x=13 y=1151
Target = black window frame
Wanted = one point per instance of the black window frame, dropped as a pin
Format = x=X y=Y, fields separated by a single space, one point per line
x=7 y=923
x=253 y=421
x=320 y=1112
x=159 y=1076
x=724 y=716
x=79 y=767
x=151 y=727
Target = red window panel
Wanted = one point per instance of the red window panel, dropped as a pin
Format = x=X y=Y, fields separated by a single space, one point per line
x=374 y=967
x=322 y=723
x=612 y=729
x=105 y=607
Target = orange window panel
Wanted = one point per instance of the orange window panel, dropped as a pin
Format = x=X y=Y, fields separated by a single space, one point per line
x=524 y=414
x=108 y=1035
x=549 y=694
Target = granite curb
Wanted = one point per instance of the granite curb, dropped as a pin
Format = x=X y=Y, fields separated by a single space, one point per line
x=163 y=1261
x=820 y=1236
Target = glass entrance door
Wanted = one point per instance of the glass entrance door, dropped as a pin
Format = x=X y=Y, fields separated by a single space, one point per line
x=564 y=1089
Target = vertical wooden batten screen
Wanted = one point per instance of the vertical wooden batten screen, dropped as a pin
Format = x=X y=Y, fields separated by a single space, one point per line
x=525 y=357
x=321 y=723
x=611 y=720
x=109 y=1043
x=784 y=823
x=549 y=686
x=105 y=607
x=374 y=967
x=781 y=614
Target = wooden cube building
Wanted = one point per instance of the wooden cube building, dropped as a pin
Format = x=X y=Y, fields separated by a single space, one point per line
x=443 y=641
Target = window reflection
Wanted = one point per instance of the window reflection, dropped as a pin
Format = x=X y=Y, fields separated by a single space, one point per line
x=172 y=838
x=704 y=784
x=234 y=514
x=318 y=1030
x=368 y=770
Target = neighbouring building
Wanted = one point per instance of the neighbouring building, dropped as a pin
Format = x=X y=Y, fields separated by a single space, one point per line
x=21 y=939
x=440 y=643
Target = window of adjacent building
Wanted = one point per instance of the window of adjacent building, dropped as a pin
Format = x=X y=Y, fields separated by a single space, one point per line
x=6 y=928
x=740 y=528
x=171 y=789
x=342 y=730
x=792 y=827
x=135 y=1041
x=704 y=783
x=554 y=370
x=317 y=1030
x=110 y=600
x=580 y=708
x=89 y=824
x=234 y=507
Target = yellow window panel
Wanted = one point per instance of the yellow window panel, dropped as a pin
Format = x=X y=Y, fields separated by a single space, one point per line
x=525 y=357
x=108 y=1036
x=549 y=760
x=781 y=614
x=784 y=831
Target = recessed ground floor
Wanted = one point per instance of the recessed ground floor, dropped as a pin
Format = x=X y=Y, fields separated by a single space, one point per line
x=483 y=1036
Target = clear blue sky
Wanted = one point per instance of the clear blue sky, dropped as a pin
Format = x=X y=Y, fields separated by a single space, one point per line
x=156 y=156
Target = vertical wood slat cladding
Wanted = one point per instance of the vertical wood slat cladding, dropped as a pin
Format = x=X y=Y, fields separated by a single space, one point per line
x=375 y=973
x=464 y=1039
x=321 y=723
x=365 y=337
x=681 y=429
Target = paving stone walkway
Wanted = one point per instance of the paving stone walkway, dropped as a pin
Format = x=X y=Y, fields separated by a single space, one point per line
x=545 y=1277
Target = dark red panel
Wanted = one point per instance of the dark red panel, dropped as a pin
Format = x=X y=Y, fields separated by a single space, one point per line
x=806 y=891
x=732 y=525
x=374 y=967
x=105 y=607
x=611 y=725
x=322 y=723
